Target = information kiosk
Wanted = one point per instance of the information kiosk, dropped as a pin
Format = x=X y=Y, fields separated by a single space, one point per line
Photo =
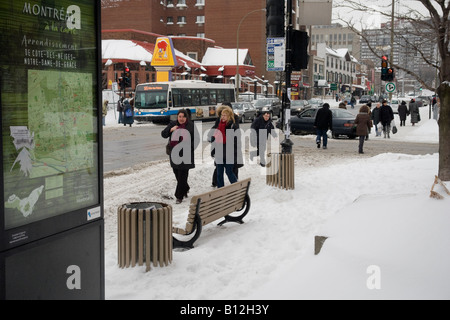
x=51 y=199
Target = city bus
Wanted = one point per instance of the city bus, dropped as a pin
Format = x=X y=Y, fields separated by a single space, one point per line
x=159 y=102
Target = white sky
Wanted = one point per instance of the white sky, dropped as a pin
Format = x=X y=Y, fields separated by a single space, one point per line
x=373 y=19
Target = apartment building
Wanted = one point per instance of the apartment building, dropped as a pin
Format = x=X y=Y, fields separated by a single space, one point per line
x=218 y=20
x=336 y=36
x=410 y=46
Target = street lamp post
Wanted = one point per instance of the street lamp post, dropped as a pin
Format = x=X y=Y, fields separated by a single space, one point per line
x=237 y=78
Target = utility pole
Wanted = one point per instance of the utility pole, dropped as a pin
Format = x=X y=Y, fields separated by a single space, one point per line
x=391 y=55
x=286 y=144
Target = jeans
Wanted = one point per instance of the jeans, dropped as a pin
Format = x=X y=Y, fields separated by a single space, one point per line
x=375 y=124
x=322 y=133
x=228 y=168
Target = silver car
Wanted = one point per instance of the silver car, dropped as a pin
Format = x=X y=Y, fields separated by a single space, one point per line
x=244 y=110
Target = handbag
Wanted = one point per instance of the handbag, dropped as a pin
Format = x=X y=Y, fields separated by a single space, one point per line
x=394 y=128
x=168 y=148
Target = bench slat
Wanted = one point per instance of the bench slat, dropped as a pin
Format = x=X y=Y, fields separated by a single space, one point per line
x=240 y=185
x=227 y=206
x=233 y=198
x=216 y=195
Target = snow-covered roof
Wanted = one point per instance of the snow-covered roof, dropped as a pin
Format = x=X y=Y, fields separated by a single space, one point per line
x=139 y=51
x=340 y=53
x=223 y=57
x=124 y=50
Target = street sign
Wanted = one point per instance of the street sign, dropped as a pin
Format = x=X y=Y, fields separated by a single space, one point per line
x=333 y=86
x=390 y=87
x=276 y=54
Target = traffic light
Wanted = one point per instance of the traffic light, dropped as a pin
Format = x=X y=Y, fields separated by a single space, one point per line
x=390 y=74
x=121 y=83
x=384 y=67
x=300 y=57
x=274 y=19
x=127 y=77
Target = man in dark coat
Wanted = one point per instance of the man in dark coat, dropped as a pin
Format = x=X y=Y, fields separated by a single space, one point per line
x=375 y=116
x=402 y=113
x=264 y=123
x=323 y=122
x=386 y=117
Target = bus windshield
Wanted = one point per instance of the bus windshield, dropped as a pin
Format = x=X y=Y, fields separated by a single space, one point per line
x=151 y=97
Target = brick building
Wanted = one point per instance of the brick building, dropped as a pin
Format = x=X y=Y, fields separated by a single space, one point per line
x=217 y=20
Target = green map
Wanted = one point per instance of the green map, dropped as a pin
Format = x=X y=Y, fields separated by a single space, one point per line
x=60 y=117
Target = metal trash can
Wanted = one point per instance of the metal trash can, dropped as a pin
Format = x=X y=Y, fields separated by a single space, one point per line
x=280 y=170
x=144 y=234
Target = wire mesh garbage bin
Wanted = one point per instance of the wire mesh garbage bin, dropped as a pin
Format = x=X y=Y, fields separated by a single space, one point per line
x=144 y=234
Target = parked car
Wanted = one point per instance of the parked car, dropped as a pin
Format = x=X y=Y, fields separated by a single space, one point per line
x=273 y=105
x=365 y=99
x=422 y=101
x=298 y=105
x=426 y=100
x=343 y=122
x=244 y=110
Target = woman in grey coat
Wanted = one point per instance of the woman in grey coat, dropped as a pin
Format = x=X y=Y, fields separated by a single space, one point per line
x=414 y=112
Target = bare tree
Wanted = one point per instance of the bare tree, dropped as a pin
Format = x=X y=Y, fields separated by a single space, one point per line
x=431 y=22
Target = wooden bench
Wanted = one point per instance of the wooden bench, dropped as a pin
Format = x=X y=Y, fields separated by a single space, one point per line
x=211 y=206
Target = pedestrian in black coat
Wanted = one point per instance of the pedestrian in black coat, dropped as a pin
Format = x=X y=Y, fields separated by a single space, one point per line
x=237 y=159
x=375 y=116
x=262 y=125
x=402 y=113
x=386 y=117
x=323 y=122
x=181 y=131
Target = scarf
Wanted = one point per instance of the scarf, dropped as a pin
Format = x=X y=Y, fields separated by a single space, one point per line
x=220 y=135
x=180 y=135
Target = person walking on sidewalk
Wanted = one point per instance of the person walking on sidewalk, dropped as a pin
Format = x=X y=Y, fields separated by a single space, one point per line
x=181 y=131
x=414 y=112
x=386 y=117
x=403 y=113
x=363 y=124
x=376 y=118
x=323 y=122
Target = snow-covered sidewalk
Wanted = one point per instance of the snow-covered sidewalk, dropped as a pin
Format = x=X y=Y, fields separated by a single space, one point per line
x=386 y=238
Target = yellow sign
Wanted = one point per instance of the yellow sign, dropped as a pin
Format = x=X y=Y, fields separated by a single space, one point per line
x=164 y=54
